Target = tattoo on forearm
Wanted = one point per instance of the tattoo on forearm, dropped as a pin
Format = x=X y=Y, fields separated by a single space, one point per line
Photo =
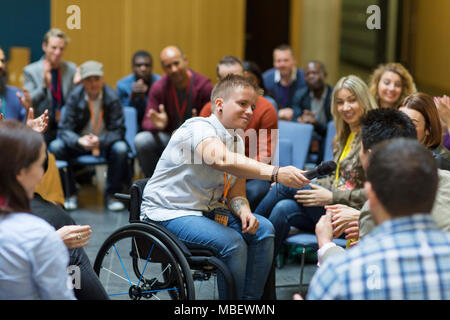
x=237 y=203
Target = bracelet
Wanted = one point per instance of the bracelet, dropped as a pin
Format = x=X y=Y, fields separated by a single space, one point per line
x=274 y=177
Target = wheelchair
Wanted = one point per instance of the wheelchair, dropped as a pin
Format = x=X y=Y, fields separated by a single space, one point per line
x=144 y=260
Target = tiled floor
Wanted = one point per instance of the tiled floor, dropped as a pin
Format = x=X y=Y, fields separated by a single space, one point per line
x=103 y=224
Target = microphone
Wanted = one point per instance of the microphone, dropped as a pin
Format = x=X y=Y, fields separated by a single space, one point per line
x=323 y=169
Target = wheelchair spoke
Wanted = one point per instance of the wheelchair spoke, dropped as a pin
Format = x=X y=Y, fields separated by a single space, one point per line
x=117 y=252
x=156 y=278
x=148 y=258
x=103 y=268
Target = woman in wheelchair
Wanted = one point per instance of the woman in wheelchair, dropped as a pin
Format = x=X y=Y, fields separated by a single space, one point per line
x=198 y=189
x=302 y=208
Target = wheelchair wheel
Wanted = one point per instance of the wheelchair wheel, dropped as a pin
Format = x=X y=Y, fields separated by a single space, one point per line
x=135 y=264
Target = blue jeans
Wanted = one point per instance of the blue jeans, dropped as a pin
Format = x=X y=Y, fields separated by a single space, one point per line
x=256 y=190
x=249 y=257
x=283 y=211
x=117 y=159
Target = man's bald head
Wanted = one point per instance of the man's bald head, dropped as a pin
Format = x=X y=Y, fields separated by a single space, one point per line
x=174 y=64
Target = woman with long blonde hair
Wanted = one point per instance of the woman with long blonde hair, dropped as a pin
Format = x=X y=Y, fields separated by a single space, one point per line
x=302 y=208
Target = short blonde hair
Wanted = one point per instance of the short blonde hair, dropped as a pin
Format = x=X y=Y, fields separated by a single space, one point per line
x=55 y=32
x=227 y=85
x=408 y=85
x=359 y=88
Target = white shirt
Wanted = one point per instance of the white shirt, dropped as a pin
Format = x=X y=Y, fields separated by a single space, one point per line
x=33 y=260
x=182 y=184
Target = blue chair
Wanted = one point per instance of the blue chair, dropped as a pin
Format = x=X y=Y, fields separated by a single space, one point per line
x=331 y=132
x=308 y=240
x=293 y=143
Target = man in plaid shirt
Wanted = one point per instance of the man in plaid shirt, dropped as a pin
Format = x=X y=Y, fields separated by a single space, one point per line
x=406 y=256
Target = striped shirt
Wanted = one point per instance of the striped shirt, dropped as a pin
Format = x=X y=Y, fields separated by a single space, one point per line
x=402 y=259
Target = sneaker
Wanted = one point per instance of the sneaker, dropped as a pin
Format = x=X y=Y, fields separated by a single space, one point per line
x=71 y=203
x=114 y=205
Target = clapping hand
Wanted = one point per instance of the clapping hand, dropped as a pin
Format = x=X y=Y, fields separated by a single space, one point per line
x=25 y=99
x=443 y=106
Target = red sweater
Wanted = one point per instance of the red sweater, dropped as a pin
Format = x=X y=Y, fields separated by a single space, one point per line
x=161 y=92
x=264 y=117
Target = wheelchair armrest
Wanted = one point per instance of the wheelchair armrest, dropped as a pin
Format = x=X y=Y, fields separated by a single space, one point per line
x=122 y=196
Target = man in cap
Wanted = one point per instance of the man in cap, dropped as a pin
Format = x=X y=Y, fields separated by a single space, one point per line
x=94 y=124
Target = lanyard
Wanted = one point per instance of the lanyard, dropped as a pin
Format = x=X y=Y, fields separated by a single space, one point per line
x=227 y=183
x=95 y=126
x=57 y=93
x=345 y=152
x=182 y=110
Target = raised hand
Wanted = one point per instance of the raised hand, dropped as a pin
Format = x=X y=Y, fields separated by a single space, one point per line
x=47 y=75
x=159 y=119
x=25 y=99
x=40 y=124
x=443 y=106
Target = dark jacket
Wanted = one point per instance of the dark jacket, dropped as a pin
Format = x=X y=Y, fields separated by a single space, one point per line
x=274 y=88
x=302 y=101
x=77 y=116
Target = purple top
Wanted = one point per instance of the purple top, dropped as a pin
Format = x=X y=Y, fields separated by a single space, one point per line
x=447 y=141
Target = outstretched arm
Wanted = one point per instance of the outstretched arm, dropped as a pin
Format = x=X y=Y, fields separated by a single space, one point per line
x=214 y=153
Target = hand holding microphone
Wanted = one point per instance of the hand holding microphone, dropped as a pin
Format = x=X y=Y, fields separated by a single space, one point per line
x=317 y=195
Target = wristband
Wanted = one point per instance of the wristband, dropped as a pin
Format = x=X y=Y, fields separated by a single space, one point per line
x=274 y=177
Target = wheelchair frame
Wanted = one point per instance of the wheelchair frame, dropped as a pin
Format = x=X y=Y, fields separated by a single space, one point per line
x=169 y=250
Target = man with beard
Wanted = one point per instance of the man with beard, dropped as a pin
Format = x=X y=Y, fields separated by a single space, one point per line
x=13 y=103
x=133 y=89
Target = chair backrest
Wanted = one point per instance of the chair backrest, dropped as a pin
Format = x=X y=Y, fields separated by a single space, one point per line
x=293 y=143
x=131 y=127
x=328 y=148
x=136 y=190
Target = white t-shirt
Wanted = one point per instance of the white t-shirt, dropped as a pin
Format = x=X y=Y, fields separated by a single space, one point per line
x=182 y=184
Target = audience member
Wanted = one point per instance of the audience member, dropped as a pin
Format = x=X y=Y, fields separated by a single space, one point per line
x=283 y=80
x=200 y=179
x=33 y=257
x=443 y=105
x=13 y=103
x=253 y=71
x=421 y=109
x=286 y=207
x=133 y=89
x=177 y=96
x=94 y=124
x=50 y=80
x=390 y=83
x=312 y=104
x=390 y=262
x=377 y=126
x=258 y=133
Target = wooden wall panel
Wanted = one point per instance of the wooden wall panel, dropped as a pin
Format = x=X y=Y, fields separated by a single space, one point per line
x=112 y=30
x=431 y=44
